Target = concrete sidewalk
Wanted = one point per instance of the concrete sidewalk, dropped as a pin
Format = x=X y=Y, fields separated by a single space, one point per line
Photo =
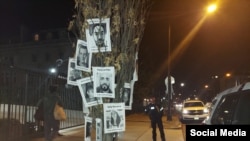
x=143 y=131
x=137 y=129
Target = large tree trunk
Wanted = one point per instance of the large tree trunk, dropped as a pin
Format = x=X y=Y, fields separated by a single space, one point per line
x=127 y=24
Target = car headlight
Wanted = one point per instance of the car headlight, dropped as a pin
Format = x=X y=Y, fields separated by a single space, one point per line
x=185 y=111
x=178 y=105
x=205 y=110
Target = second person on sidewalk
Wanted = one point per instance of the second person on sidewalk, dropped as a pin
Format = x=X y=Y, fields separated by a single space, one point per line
x=155 y=112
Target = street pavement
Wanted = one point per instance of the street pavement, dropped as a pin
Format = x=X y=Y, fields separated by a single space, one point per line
x=137 y=129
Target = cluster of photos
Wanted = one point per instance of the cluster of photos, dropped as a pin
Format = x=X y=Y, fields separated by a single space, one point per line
x=102 y=82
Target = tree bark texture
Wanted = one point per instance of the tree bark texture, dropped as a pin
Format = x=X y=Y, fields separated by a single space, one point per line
x=127 y=23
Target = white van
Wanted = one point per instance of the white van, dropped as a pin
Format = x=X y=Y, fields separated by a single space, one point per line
x=231 y=106
x=193 y=111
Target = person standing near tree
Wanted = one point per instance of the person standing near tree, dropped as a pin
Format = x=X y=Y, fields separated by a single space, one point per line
x=155 y=112
x=51 y=125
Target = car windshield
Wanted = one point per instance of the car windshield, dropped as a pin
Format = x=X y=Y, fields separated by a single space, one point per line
x=193 y=104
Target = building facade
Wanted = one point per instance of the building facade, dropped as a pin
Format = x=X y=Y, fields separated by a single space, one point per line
x=40 y=53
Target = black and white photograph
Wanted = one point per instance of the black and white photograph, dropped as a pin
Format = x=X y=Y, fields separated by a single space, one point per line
x=114 y=117
x=73 y=73
x=98 y=129
x=104 y=81
x=132 y=83
x=135 y=74
x=85 y=109
x=88 y=128
x=83 y=56
x=86 y=88
x=126 y=95
x=98 y=35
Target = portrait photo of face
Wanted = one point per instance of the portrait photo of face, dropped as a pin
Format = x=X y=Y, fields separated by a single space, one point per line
x=86 y=88
x=73 y=73
x=126 y=96
x=115 y=119
x=90 y=92
x=98 y=35
x=82 y=56
x=104 y=83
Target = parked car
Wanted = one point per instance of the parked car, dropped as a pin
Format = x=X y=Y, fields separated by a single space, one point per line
x=231 y=106
x=177 y=106
x=193 y=111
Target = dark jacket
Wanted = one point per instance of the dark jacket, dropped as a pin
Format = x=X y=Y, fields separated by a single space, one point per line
x=49 y=103
x=154 y=111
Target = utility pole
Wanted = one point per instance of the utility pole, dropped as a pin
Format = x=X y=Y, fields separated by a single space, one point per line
x=169 y=91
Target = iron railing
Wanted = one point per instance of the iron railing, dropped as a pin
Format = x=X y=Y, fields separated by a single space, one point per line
x=20 y=91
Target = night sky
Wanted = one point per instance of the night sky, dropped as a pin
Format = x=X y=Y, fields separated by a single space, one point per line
x=34 y=14
x=221 y=44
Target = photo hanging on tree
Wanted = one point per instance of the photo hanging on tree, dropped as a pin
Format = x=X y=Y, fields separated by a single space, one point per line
x=104 y=81
x=98 y=35
x=83 y=56
x=86 y=88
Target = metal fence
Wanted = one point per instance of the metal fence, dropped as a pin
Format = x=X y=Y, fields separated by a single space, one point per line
x=20 y=91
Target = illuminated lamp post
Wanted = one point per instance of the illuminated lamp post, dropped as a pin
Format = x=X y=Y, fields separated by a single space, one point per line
x=211 y=8
x=55 y=71
x=170 y=80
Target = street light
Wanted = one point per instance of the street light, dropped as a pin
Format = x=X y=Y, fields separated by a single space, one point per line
x=59 y=63
x=56 y=71
x=182 y=84
x=228 y=75
x=53 y=70
x=210 y=9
